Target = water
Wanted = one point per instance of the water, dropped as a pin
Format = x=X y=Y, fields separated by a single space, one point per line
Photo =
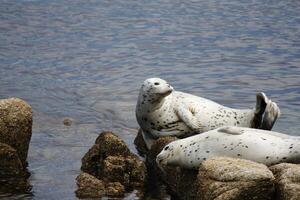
x=87 y=59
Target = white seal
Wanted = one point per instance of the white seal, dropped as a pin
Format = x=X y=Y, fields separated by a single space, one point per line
x=161 y=111
x=261 y=146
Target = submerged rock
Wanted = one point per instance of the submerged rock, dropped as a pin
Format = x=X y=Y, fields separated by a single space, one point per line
x=287 y=181
x=67 y=121
x=110 y=161
x=16 y=125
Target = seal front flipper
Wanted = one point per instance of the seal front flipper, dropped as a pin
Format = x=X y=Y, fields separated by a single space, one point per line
x=187 y=115
x=232 y=130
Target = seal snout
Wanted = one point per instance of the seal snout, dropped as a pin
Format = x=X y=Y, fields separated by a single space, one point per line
x=160 y=160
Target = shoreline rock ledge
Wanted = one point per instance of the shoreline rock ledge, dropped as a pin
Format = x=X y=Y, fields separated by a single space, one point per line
x=15 y=135
x=109 y=169
x=224 y=178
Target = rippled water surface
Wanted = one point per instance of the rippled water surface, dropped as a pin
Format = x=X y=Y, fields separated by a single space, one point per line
x=86 y=59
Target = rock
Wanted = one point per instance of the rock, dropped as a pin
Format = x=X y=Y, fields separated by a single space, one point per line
x=287 y=181
x=13 y=176
x=89 y=186
x=180 y=182
x=107 y=144
x=129 y=171
x=16 y=125
x=111 y=161
x=67 y=121
x=10 y=163
x=112 y=145
x=234 y=179
x=140 y=144
x=115 y=189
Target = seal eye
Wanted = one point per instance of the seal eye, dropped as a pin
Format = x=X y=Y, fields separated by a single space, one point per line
x=166 y=148
x=156 y=83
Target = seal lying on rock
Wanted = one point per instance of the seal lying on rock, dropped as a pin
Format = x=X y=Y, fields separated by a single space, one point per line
x=161 y=111
x=262 y=146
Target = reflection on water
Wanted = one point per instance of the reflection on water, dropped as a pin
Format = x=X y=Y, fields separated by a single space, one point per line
x=87 y=59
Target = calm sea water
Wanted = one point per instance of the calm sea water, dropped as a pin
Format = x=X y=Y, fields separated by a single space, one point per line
x=86 y=59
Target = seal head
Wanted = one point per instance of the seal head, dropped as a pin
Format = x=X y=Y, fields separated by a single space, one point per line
x=153 y=90
x=170 y=155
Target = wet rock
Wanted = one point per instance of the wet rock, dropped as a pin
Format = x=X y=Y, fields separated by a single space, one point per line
x=140 y=144
x=10 y=163
x=234 y=179
x=89 y=186
x=13 y=176
x=111 y=161
x=16 y=125
x=287 y=181
x=67 y=121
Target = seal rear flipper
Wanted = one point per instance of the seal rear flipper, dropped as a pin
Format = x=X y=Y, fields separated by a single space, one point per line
x=272 y=112
x=261 y=104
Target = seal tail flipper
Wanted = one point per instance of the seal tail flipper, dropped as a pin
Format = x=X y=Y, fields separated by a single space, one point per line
x=266 y=112
x=272 y=112
x=261 y=104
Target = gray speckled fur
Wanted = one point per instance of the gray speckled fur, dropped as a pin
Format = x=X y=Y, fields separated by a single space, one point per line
x=161 y=111
x=262 y=146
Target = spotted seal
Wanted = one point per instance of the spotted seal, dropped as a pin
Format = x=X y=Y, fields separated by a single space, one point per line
x=262 y=146
x=162 y=111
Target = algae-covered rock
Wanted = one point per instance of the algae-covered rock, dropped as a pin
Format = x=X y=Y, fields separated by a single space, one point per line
x=89 y=186
x=16 y=125
x=287 y=181
x=107 y=144
x=129 y=171
x=115 y=189
x=234 y=179
x=110 y=161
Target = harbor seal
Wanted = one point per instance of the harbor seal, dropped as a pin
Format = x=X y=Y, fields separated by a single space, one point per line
x=162 y=111
x=261 y=146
